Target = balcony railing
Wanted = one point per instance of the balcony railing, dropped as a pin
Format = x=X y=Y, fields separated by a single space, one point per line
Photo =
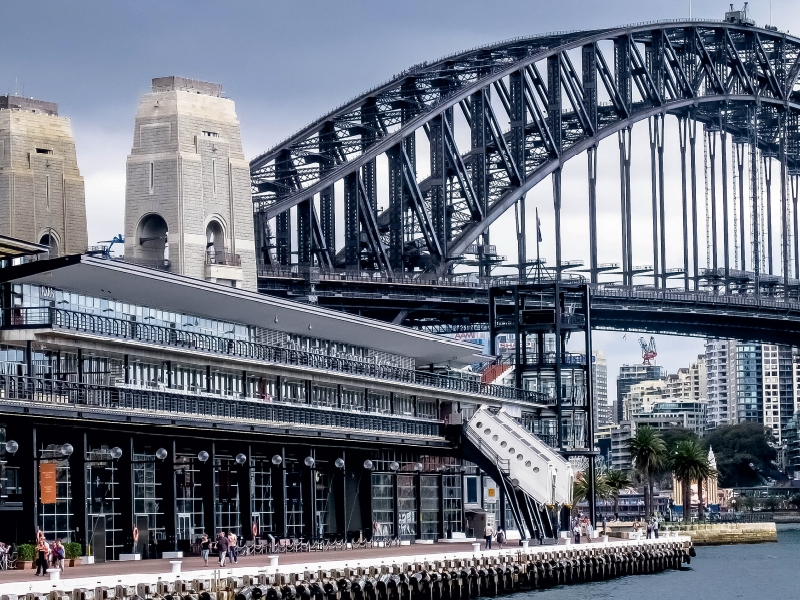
x=223 y=257
x=46 y=391
x=168 y=336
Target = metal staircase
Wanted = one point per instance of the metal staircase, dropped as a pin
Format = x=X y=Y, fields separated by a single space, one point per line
x=532 y=474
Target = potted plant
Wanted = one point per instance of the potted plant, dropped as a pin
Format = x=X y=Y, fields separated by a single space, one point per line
x=72 y=553
x=25 y=556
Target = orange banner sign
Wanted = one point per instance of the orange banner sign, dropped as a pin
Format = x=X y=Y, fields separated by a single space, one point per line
x=47 y=482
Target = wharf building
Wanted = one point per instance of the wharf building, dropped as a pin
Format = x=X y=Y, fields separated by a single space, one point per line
x=141 y=398
x=188 y=207
x=41 y=189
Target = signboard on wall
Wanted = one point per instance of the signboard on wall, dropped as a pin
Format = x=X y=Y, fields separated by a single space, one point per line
x=47 y=482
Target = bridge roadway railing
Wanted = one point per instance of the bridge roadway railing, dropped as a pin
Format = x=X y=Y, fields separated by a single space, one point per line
x=43 y=391
x=116 y=328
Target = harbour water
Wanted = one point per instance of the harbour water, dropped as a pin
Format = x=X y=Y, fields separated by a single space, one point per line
x=750 y=571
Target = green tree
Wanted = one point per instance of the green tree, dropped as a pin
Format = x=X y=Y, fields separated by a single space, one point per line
x=689 y=462
x=580 y=487
x=616 y=481
x=647 y=453
x=772 y=502
x=736 y=447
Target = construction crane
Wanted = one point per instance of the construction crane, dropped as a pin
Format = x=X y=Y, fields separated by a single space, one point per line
x=648 y=350
x=105 y=250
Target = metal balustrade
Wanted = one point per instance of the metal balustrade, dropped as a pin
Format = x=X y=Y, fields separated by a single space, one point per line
x=116 y=328
x=45 y=391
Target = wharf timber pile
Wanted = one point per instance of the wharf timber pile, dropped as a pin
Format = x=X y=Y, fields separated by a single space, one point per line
x=446 y=579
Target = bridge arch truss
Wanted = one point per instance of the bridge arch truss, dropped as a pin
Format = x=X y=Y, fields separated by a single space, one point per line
x=491 y=123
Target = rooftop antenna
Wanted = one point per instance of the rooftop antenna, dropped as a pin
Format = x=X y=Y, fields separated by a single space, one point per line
x=16 y=86
x=690 y=10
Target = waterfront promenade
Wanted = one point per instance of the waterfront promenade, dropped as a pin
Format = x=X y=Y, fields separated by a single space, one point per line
x=134 y=572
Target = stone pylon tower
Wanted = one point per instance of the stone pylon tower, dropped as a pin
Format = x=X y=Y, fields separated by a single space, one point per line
x=187 y=201
x=42 y=196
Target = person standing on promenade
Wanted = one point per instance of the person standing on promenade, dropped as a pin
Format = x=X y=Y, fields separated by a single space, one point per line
x=233 y=550
x=501 y=538
x=488 y=532
x=604 y=526
x=222 y=548
x=42 y=550
x=576 y=531
x=589 y=531
x=655 y=526
x=205 y=548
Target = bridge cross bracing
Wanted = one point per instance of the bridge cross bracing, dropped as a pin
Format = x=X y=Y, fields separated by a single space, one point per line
x=484 y=127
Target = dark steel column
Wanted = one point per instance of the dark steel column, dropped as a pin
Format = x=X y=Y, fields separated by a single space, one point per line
x=784 y=212
x=283 y=242
x=327 y=197
x=692 y=131
x=768 y=187
x=479 y=136
x=683 y=126
x=437 y=193
x=304 y=232
x=625 y=188
x=352 y=238
x=557 y=210
x=590 y=401
x=661 y=200
x=591 y=154
x=712 y=159
x=653 y=129
x=517 y=149
x=795 y=184
x=742 y=230
x=554 y=122
x=723 y=136
x=396 y=225
x=754 y=185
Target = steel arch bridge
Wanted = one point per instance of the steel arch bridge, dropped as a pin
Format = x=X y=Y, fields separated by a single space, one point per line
x=560 y=94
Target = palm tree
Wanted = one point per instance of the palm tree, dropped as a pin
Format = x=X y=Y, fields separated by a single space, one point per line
x=689 y=463
x=616 y=481
x=647 y=450
x=580 y=487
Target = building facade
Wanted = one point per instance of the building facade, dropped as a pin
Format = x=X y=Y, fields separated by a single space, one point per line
x=178 y=406
x=42 y=198
x=188 y=207
x=630 y=375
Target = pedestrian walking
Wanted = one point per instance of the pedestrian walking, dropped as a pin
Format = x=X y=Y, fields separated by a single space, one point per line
x=57 y=555
x=222 y=548
x=576 y=532
x=589 y=531
x=205 y=548
x=604 y=526
x=488 y=532
x=233 y=549
x=42 y=550
x=501 y=538
x=655 y=526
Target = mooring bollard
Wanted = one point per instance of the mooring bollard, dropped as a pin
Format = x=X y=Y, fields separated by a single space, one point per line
x=525 y=544
x=476 y=547
x=176 y=566
x=55 y=574
x=273 y=560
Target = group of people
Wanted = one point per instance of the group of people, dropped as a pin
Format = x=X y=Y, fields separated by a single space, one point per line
x=48 y=555
x=225 y=546
x=489 y=534
x=582 y=527
x=651 y=527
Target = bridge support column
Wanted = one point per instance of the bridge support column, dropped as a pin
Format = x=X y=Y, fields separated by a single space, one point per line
x=768 y=217
x=712 y=159
x=784 y=214
x=625 y=207
x=352 y=238
x=591 y=154
x=396 y=225
x=692 y=134
x=557 y=209
x=742 y=230
x=795 y=185
x=304 y=232
x=283 y=241
x=683 y=126
x=725 y=242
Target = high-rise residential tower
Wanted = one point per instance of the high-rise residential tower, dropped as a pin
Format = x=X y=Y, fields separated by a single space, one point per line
x=188 y=207
x=42 y=196
x=631 y=374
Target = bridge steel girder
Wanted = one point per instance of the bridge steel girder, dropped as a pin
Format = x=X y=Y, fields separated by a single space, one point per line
x=692 y=70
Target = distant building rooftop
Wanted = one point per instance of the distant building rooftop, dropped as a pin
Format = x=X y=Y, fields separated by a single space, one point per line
x=172 y=83
x=29 y=104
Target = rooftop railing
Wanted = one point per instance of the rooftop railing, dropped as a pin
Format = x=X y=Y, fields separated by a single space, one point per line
x=178 y=338
x=46 y=391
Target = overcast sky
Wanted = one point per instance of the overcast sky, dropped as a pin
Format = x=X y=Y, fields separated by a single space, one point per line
x=285 y=63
